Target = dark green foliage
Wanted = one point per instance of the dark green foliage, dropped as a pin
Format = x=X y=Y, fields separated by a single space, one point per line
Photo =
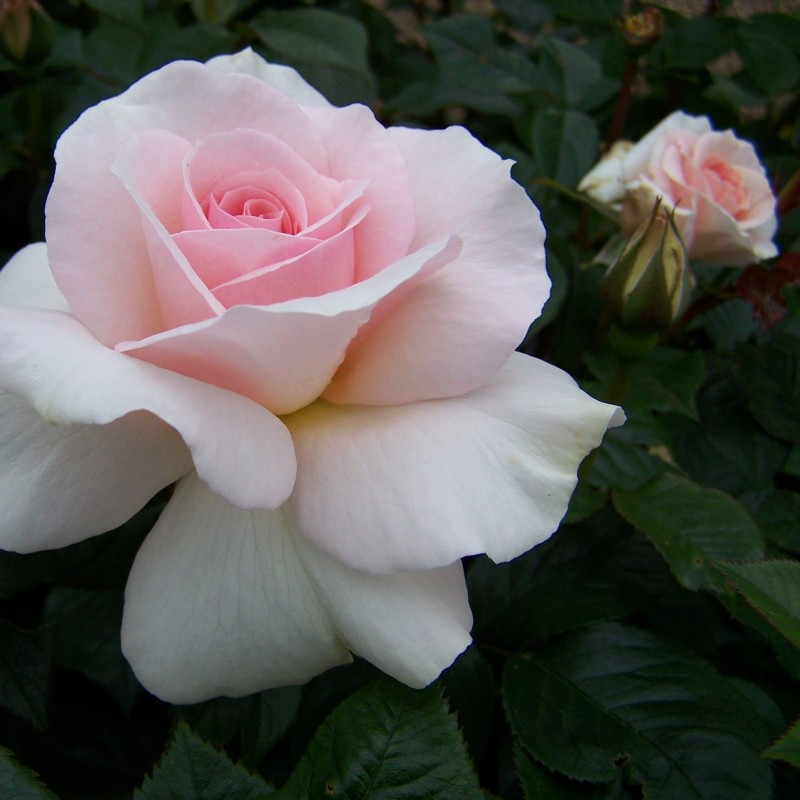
x=691 y=527
x=193 y=770
x=385 y=742
x=18 y=782
x=651 y=647
x=612 y=697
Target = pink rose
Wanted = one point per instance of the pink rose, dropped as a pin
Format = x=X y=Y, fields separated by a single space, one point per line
x=724 y=206
x=308 y=321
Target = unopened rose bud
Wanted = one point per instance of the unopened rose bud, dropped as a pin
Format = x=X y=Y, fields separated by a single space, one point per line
x=647 y=288
x=642 y=29
x=26 y=33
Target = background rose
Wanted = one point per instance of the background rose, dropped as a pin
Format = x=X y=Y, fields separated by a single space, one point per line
x=725 y=208
x=233 y=249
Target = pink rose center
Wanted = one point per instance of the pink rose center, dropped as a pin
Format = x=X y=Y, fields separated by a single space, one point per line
x=727 y=187
x=252 y=207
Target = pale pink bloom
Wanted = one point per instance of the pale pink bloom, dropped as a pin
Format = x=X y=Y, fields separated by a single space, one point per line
x=309 y=322
x=724 y=206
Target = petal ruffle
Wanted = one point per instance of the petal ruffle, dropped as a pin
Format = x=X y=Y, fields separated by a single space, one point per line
x=359 y=148
x=49 y=359
x=181 y=295
x=722 y=241
x=481 y=304
x=64 y=483
x=638 y=158
x=418 y=486
x=224 y=601
x=283 y=356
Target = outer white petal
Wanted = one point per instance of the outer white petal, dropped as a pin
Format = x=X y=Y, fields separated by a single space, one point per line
x=719 y=239
x=62 y=371
x=418 y=486
x=26 y=281
x=410 y=624
x=281 y=77
x=218 y=603
x=224 y=601
x=63 y=483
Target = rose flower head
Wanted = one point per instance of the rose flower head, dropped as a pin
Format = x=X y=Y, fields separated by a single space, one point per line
x=712 y=180
x=308 y=322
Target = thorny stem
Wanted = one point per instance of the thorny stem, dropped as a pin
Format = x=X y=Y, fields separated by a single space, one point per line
x=620 y=115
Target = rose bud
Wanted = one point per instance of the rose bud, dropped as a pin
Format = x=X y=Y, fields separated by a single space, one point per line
x=648 y=286
x=26 y=33
x=642 y=29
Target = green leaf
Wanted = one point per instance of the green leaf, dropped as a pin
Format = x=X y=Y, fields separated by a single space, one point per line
x=126 y=11
x=592 y=571
x=564 y=144
x=25 y=667
x=329 y=50
x=386 y=741
x=523 y=15
x=259 y=720
x=772 y=63
x=466 y=48
x=623 y=464
x=725 y=449
x=792 y=464
x=199 y=42
x=469 y=687
x=18 y=782
x=736 y=93
x=86 y=638
x=770 y=378
x=730 y=323
x=574 y=78
x=104 y=562
x=589 y=11
x=788 y=655
x=666 y=380
x=539 y=783
x=112 y=51
x=612 y=696
x=584 y=502
x=20 y=571
x=691 y=526
x=471 y=69
x=787 y=748
x=193 y=770
x=536 y=782
x=693 y=43
x=213 y=11
x=777 y=517
x=773 y=589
